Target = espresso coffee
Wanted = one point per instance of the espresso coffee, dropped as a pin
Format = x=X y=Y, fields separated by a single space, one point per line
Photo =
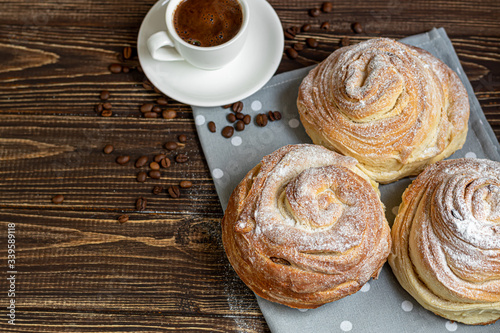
x=208 y=23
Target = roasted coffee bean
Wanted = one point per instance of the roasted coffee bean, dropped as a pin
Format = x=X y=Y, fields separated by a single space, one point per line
x=157 y=190
x=227 y=106
x=155 y=174
x=247 y=119
x=185 y=184
x=127 y=52
x=108 y=149
x=357 y=27
x=231 y=117
x=289 y=33
x=58 y=199
x=261 y=119
x=270 y=115
x=141 y=203
x=150 y=115
x=171 y=145
x=211 y=126
x=156 y=109
x=325 y=25
x=104 y=95
x=165 y=163
x=237 y=107
x=326 y=7
x=239 y=126
x=169 y=114
x=298 y=47
x=314 y=12
x=123 y=159
x=141 y=177
x=162 y=101
x=125 y=69
x=181 y=158
x=240 y=116
x=311 y=42
x=115 y=68
x=277 y=115
x=123 y=218
x=141 y=161
x=227 y=131
x=147 y=86
x=154 y=166
x=174 y=191
x=107 y=106
x=147 y=107
x=98 y=108
x=291 y=53
x=306 y=27
x=182 y=138
x=159 y=157
x=106 y=113
x=345 y=41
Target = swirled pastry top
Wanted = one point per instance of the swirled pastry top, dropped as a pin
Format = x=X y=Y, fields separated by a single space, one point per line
x=305 y=227
x=394 y=107
x=446 y=240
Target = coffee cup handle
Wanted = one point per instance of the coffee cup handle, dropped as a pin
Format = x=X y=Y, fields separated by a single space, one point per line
x=162 y=48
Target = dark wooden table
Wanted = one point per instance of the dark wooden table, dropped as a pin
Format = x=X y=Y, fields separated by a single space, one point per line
x=77 y=269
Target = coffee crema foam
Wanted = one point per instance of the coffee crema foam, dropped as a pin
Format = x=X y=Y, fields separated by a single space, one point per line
x=208 y=22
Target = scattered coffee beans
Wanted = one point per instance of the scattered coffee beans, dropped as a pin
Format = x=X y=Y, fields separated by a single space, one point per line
x=123 y=159
x=314 y=12
x=107 y=106
x=104 y=95
x=156 y=109
x=150 y=115
x=306 y=27
x=345 y=41
x=161 y=101
x=157 y=190
x=311 y=42
x=291 y=53
x=247 y=119
x=227 y=131
x=270 y=115
x=326 y=7
x=147 y=86
x=147 y=107
x=239 y=126
x=108 y=149
x=231 y=117
x=290 y=33
x=106 y=113
x=182 y=138
x=154 y=166
x=181 y=158
x=127 y=52
x=174 y=191
x=141 y=161
x=185 y=184
x=159 y=157
x=165 y=163
x=123 y=218
x=357 y=27
x=261 y=119
x=58 y=199
x=141 y=203
x=227 y=106
x=169 y=114
x=237 y=107
x=141 y=177
x=125 y=69
x=325 y=25
x=98 y=108
x=211 y=126
x=115 y=68
x=171 y=145
x=155 y=174
x=277 y=115
x=298 y=47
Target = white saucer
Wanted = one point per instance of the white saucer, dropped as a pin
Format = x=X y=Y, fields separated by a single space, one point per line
x=253 y=67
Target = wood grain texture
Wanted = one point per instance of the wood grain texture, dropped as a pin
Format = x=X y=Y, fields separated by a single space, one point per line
x=79 y=269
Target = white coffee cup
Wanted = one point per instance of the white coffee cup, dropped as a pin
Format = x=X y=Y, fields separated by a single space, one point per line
x=168 y=46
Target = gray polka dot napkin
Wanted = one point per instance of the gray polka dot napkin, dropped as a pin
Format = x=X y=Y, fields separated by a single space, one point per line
x=381 y=305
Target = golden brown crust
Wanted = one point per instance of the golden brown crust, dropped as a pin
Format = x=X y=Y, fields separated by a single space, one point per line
x=446 y=240
x=395 y=108
x=305 y=227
